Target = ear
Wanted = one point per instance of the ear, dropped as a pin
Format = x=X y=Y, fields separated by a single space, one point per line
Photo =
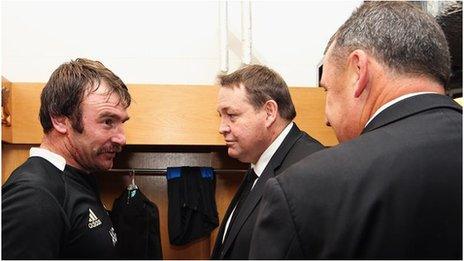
x=61 y=124
x=358 y=61
x=271 y=109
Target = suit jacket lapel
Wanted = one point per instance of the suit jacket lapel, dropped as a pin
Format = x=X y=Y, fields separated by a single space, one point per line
x=411 y=106
x=256 y=193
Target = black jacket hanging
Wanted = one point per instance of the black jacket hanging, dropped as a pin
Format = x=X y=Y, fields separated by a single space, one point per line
x=192 y=211
x=136 y=222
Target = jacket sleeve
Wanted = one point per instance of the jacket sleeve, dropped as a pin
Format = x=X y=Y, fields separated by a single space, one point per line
x=32 y=223
x=274 y=235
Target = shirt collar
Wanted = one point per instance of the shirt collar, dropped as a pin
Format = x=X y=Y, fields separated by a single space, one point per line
x=390 y=103
x=269 y=152
x=58 y=161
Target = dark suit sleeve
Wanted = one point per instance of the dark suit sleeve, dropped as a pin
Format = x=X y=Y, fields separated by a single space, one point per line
x=32 y=223
x=274 y=235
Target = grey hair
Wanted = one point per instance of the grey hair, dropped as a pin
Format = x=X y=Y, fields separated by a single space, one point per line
x=399 y=35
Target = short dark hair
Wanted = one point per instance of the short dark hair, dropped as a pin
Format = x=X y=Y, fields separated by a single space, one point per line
x=262 y=84
x=67 y=86
x=399 y=35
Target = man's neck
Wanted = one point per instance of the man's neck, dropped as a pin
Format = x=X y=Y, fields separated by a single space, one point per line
x=278 y=127
x=274 y=131
x=55 y=143
x=389 y=88
x=266 y=156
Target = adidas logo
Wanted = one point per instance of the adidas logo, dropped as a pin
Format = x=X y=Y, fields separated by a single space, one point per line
x=93 y=220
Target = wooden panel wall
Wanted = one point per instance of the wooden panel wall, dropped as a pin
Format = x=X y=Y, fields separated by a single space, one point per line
x=24 y=104
x=166 y=115
x=13 y=155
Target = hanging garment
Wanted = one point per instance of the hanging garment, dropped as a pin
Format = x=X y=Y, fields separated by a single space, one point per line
x=192 y=211
x=136 y=222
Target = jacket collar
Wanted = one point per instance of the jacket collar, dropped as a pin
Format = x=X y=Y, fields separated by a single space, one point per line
x=271 y=150
x=409 y=107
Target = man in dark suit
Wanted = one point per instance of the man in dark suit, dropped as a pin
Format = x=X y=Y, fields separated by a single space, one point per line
x=256 y=120
x=393 y=187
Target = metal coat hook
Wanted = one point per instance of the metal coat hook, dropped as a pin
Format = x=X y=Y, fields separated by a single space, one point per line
x=132 y=186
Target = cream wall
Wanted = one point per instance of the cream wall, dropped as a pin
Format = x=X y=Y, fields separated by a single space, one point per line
x=174 y=42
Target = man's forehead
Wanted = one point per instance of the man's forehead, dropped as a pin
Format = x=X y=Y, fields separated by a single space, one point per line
x=103 y=103
x=224 y=102
x=231 y=100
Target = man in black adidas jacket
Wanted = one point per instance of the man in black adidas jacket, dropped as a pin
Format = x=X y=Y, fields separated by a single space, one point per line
x=51 y=205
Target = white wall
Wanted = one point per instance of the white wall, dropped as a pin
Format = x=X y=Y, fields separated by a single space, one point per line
x=174 y=42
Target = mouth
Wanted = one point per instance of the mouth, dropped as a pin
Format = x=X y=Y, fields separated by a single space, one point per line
x=229 y=142
x=109 y=154
x=108 y=151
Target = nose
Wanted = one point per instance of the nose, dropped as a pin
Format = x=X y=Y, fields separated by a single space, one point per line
x=327 y=123
x=223 y=128
x=119 y=137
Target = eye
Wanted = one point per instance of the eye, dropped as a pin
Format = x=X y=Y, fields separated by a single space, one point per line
x=232 y=116
x=109 y=121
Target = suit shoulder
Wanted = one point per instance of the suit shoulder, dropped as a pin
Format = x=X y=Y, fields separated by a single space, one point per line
x=303 y=147
x=307 y=141
x=322 y=168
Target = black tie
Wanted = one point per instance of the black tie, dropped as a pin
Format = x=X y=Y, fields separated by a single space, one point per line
x=248 y=184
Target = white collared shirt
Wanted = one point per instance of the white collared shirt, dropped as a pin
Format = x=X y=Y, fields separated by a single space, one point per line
x=262 y=163
x=58 y=161
x=264 y=159
x=390 y=103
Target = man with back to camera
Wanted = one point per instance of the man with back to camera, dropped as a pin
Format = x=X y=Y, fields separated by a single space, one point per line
x=51 y=205
x=393 y=187
x=256 y=113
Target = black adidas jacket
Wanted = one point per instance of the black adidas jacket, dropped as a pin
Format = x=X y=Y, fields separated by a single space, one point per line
x=47 y=213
